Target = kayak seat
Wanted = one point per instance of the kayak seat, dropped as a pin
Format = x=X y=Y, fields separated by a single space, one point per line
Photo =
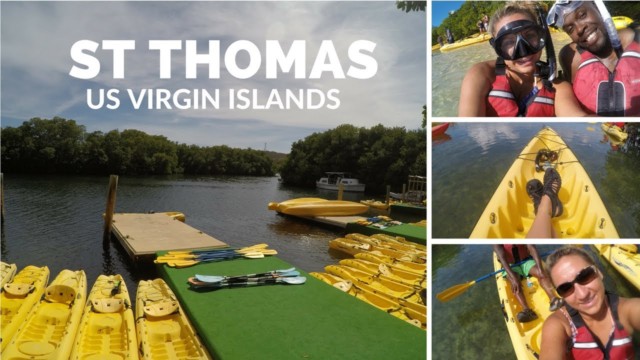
x=60 y=294
x=18 y=289
x=162 y=308
x=107 y=305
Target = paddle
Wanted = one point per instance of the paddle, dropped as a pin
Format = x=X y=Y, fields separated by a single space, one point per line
x=182 y=263
x=297 y=280
x=459 y=289
x=275 y=273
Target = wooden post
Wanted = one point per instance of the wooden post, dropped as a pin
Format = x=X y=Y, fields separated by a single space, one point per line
x=404 y=192
x=388 y=196
x=340 y=190
x=111 y=205
x=2 y=197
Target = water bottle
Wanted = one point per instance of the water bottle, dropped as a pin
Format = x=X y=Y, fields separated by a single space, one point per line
x=531 y=286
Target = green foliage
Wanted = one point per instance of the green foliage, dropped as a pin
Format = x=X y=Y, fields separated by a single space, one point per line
x=462 y=22
x=378 y=156
x=61 y=146
x=408 y=6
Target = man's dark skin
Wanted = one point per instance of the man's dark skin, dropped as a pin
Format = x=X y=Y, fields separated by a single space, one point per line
x=586 y=29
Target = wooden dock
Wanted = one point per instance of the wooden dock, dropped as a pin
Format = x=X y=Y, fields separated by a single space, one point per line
x=146 y=234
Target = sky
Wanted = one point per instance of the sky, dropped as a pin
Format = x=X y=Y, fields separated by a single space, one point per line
x=440 y=10
x=36 y=60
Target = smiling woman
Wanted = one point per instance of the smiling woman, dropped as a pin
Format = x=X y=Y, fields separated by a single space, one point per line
x=517 y=83
x=595 y=323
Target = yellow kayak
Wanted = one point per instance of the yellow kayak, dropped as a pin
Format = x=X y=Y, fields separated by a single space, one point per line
x=386 y=272
x=614 y=132
x=407 y=266
x=353 y=246
x=625 y=258
x=164 y=331
x=371 y=283
x=49 y=331
x=414 y=314
x=509 y=213
x=7 y=271
x=621 y=22
x=318 y=207
x=19 y=297
x=475 y=39
x=524 y=336
x=107 y=330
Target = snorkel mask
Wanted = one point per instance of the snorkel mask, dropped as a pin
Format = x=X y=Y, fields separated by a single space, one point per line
x=518 y=39
x=559 y=10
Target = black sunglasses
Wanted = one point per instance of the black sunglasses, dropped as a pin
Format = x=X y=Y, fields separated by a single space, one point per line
x=584 y=277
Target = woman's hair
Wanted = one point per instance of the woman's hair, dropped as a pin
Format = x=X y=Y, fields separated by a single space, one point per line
x=558 y=254
x=526 y=8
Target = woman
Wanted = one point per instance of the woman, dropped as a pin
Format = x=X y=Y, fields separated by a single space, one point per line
x=595 y=324
x=510 y=86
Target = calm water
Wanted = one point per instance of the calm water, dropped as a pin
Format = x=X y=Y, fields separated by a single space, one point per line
x=471 y=160
x=449 y=68
x=471 y=326
x=57 y=221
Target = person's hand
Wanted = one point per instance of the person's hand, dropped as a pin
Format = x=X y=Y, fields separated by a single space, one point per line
x=515 y=284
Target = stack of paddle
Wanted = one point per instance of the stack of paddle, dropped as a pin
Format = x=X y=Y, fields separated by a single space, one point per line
x=181 y=259
x=286 y=276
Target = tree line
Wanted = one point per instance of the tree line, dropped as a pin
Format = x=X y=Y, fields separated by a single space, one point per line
x=378 y=156
x=61 y=146
x=462 y=23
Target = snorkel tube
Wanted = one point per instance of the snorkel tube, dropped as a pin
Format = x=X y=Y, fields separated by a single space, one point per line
x=610 y=26
x=547 y=71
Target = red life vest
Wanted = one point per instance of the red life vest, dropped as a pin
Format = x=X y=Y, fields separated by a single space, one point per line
x=585 y=346
x=609 y=93
x=501 y=101
x=515 y=253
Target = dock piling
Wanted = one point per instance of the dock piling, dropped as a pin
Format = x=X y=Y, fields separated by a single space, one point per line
x=111 y=205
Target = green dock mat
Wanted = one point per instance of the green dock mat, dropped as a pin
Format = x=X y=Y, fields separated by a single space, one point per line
x=417 y=234
x=309 y=321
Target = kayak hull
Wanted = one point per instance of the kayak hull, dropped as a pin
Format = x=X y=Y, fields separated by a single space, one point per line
x=16 y=308
x=439 y=129
x=626 y=262
x=163 y=335
x=49 y=331
x=510 y=213
x=107 y=329
x=479 y=38
x=525 y=337
x=318 y=207
x=614 y=132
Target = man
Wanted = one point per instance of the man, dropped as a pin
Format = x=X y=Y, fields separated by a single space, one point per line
x=511 y=254
x=605 y=80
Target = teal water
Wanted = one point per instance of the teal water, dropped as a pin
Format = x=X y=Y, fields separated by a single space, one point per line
x=471 y=326
x=472 y=158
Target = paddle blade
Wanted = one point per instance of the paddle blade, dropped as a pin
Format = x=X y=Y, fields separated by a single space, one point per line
x=454 y=291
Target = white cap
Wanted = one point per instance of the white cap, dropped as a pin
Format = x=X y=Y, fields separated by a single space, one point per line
x=561 y=9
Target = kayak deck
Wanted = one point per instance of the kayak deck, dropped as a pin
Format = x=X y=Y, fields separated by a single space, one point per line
x=510 y=213
x=525 y=337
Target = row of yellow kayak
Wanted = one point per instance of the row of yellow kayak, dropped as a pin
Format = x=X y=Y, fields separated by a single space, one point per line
x=60 y=321
x=386 y=272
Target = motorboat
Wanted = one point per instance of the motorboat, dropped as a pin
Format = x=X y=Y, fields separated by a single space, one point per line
x=334 y=180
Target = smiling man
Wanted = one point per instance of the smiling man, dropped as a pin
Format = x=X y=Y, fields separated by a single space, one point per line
x=606 y=80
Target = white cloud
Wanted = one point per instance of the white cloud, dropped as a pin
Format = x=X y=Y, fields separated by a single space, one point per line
x=37 y=36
